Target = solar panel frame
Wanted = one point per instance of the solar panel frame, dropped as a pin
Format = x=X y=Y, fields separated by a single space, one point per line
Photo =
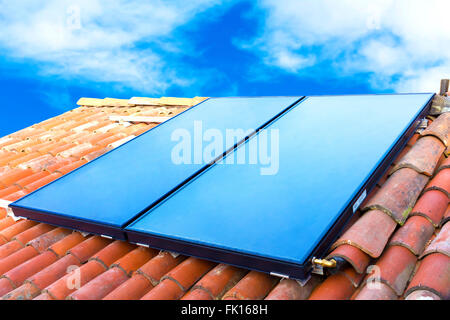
x=269 y=265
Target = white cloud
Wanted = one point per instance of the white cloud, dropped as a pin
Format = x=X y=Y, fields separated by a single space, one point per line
x=403 y=44
x=96 y=40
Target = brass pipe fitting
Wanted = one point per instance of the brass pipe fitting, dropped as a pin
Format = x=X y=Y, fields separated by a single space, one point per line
x=325 y=263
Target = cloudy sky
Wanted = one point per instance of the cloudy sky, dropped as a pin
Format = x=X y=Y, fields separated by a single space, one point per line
x=55 y=51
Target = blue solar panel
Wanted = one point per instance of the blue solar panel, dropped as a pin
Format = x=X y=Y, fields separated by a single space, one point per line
x=275 y=217
x=106 y=193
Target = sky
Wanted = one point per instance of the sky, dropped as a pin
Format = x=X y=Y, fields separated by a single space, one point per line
x=54 y=52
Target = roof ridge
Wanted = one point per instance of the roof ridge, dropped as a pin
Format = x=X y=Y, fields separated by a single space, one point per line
x=139 y=101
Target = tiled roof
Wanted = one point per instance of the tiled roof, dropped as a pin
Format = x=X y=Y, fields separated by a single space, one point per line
x=397 y=247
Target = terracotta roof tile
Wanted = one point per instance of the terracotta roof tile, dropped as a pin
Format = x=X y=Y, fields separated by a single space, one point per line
x=440 y=244
x=215 y=283
x=107 y=129
x=15 y=277
x=379 y=291
x=42 y=182
x=441 y=182
x=6 y=222
x=10 y=177
x=13 y=230
x=77 y=138
x=166 y=290
x=177 y=281
x=147 y=277
x=24 y=237
x=5 y=160
x=95 y=154
x=111 y=139
x=88 y=248
x=38 y=147
x=59 y=164
x=30 y=179
x=33 y=285
x=74 y=280
x=423 y=156
x=132 y=289
x=9 y=248
x=50 y=123
x=357 y=258
x=29 y=144
x=339 y=286
x=38 y=163
x=370 y=233
x=27 y=291
x=431 y=205
x=440 y=128
x=17 y=147
x=254 y=286
x=422 y=295
x=414 y=235
x=100 y=286
x=60 y=147
x=134 y=260
x=16 y=195
x=395 y=268
x=44 y=241
x=433 y=275
x=7 y=191
x=288 y=289
x=75 y=150
x=57 y=140
x=399 y=194
x=53 y=272
x=70 y=167
x=3 y=213
x=119 y=272
x=61 y=247
x=23 y=159
x=91 y=150
x=96 y=137
x=5 y=141
x=19 y=274
x=445 y=164
x=17 y=258
x=112 y=252
x=157 y=267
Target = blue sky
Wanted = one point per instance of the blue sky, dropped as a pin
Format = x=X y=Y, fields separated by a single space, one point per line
x=54 y=52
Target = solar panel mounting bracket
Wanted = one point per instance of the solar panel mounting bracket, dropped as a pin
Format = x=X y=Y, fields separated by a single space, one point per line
x=279 y=275
x=304 y=282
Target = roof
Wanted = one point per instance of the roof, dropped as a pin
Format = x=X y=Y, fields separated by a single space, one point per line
x=396 y=247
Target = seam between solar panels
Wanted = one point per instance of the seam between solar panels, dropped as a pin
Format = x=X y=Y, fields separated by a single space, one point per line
x=213 y=162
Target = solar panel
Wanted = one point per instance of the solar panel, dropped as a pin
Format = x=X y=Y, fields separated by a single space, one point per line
x=330 y=152
x=105 y=194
